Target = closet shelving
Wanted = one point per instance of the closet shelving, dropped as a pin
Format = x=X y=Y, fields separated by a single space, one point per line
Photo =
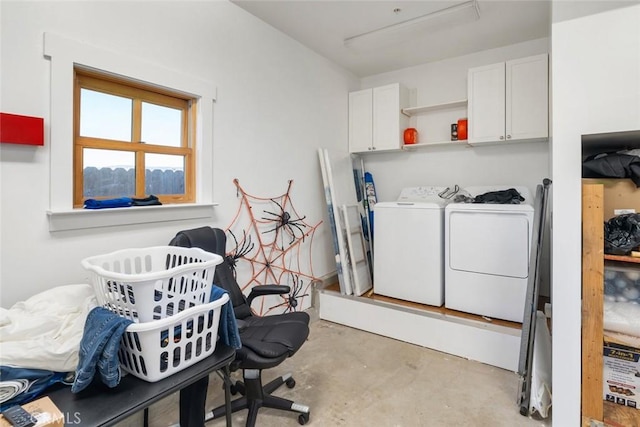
x=622 y=258
x=594 y=408
x=600 y=199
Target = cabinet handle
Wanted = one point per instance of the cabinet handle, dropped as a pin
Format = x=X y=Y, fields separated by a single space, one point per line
x=373 y=148
x=501 y=137
x=508 y=136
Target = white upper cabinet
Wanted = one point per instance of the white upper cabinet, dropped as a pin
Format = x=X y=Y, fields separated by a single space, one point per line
x=527 y=106
x=486 y=108
x=509 y=101
x=376 y=122
x=360 y=120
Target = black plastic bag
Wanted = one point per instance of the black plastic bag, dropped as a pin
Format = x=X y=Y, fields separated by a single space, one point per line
x=622 y=234
x=612 y=165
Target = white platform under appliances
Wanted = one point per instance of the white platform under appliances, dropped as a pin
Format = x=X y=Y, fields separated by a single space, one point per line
x=408 y=246
x=487 y=255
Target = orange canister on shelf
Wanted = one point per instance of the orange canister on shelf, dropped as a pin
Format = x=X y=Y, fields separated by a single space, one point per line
x=462 y=129
x=410 y=136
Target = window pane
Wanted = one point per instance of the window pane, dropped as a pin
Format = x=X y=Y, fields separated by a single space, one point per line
x=108 y=173
x=164 y=174
x=161 y=125
x=105 y=116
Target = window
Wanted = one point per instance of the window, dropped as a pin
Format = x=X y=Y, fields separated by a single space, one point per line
x=131 y=140
x=65 y=57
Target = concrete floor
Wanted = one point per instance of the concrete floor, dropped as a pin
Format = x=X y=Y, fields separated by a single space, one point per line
x=353 y=378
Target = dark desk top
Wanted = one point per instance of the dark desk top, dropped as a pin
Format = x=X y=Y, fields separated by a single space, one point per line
x=99 y=405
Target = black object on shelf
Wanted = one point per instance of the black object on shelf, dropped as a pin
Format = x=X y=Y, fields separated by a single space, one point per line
x=612 y=165
x=622 y=234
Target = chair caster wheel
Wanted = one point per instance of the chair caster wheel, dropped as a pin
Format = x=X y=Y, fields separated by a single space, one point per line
x=233 y=389
x=303 y=419
x=291 y=383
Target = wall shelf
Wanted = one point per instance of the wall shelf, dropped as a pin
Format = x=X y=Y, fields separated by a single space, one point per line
x=412 y=111
x=410 y=147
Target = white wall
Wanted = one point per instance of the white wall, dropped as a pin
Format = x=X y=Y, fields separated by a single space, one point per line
x=277 y=102
x=596 y=88
x=564 y=10
x=444 y=81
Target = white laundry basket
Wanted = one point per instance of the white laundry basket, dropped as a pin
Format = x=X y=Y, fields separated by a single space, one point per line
x=146 y=284
x=155 y=350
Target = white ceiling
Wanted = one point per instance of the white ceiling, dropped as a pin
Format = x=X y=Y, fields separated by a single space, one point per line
x=322 y=25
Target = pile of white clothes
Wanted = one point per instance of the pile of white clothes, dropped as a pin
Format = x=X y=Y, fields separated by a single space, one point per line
x=42 y=334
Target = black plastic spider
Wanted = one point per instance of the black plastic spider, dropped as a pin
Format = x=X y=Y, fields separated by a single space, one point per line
x=243 y=248
x=284 y=220
x=291 y=300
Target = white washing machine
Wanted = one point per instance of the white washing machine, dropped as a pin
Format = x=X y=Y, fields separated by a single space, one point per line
x=487 y=250
x=408 y=246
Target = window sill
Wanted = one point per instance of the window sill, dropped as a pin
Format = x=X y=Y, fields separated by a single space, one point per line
x=76 y=219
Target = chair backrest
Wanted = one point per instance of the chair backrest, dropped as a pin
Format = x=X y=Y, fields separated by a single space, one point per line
x=214 y=240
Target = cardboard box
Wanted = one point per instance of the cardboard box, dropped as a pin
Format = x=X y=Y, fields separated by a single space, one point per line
x=45 y=411
x=621 y=375
x=619 y=194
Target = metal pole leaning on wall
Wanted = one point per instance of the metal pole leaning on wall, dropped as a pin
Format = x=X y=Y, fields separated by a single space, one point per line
x=531 y=302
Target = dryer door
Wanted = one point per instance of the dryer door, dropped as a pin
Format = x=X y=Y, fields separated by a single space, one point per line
x=490 y=242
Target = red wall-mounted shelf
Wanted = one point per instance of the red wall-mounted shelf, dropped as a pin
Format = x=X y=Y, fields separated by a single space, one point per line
x=15 y=129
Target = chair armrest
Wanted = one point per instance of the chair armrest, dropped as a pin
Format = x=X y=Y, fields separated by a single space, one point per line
x=262 y=290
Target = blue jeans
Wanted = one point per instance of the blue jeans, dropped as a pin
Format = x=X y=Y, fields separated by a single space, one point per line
x=99 y=348
x=228 y=326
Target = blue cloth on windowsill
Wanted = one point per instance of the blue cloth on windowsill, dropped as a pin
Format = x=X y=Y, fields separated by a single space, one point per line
x=120 y=202
x=228 y=327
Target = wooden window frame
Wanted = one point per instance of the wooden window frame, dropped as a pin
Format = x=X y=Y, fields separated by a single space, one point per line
x=138 y=93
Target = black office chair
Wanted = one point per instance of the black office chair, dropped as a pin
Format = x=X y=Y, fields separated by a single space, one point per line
x=266 y=341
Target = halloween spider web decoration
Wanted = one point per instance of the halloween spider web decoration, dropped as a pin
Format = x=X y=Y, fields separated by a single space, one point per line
x=269 y=248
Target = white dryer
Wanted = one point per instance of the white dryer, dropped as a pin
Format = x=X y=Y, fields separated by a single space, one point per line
x=408 y=246
x=487 y=250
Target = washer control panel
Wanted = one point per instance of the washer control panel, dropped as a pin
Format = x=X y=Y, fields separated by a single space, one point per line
x=423 y=194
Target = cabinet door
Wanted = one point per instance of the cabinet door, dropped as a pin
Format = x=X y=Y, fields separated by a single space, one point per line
x=388 y=120
x=527 y=102
x=486 y=93
x=360 y=120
